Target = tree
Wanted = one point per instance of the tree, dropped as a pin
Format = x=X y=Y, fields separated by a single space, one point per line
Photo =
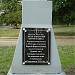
x=63 y=12
x=12 y=12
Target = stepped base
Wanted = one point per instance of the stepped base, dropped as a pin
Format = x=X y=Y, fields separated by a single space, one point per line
x=62 y=73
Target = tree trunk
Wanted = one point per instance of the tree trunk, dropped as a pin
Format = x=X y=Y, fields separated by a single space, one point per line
x=15 y=26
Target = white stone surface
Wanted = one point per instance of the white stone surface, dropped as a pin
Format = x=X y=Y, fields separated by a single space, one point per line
x=36 y=15
x=62 y=73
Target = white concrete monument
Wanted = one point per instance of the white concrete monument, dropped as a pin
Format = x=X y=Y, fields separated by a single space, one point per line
x=36 y=52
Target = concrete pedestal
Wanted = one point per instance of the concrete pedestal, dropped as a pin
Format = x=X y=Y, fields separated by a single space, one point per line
x=62 y=73
x=36 y=14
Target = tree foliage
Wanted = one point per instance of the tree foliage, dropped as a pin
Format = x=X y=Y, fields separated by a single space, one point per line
x=64 y=12
x=12 y=12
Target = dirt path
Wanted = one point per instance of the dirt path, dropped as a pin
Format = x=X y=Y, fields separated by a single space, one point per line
x=65 y=41
x=59 y=41
x=8 y=42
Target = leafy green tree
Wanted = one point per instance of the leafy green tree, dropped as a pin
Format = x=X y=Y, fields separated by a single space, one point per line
x=63 y=12
x=12 y=12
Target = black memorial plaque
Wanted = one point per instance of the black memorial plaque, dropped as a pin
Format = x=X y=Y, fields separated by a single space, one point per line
x=36 y=46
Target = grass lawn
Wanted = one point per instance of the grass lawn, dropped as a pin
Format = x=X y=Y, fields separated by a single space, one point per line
x=64 y=28
x=6 y=55
x=60 y=31
x=67 y=56
x=9 y=32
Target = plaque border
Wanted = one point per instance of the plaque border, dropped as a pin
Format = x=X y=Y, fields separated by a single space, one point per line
x=23 y=48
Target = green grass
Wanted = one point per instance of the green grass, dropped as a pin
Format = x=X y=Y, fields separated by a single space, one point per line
x=6 y=54
x=9 y=32
x=67 y=56
x=64 y=31
x=64 y=28
x=59 y=31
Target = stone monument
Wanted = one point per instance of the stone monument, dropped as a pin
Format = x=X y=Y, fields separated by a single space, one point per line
x=36 y=51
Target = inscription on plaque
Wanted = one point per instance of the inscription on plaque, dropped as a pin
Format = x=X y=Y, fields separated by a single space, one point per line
x=36 y=46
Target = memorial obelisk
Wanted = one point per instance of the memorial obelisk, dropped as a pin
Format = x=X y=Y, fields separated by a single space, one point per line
x=36 y=51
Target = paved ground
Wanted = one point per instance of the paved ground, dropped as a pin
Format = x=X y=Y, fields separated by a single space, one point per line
x=68 y=40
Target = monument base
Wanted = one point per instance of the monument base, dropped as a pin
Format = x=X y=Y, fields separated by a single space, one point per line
x=9 y=73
